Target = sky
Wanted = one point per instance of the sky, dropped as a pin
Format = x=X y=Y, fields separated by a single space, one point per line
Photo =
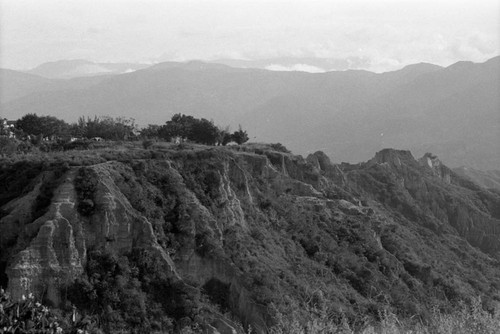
x=376 y=35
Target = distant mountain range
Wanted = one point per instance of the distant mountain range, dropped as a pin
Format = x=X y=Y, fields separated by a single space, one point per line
x=453 y=112
x=487 y=179
x=65 y=69
x=306 y=64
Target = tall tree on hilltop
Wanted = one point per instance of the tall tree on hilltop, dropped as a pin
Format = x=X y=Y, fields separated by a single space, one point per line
x=45 y=126
x=204 y=132
x=179 y=126
x=107 y=127
x=224 y=136
x=240 y=136
x=151 y=131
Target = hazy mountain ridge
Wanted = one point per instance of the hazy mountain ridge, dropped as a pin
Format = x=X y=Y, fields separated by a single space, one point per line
x=487 y=179
x=346 y=114
x=16 y=85
x=66 y=69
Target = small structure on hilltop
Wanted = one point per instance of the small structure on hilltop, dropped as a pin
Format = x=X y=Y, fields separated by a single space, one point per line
x=7 y=128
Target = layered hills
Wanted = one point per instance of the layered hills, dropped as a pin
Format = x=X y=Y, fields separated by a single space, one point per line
x=452 y=111
x=214 y=237
x=65 y=69
x=487 y=179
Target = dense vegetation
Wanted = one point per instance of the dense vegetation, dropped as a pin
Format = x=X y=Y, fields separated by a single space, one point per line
x=48 y=133
x=312 y=262
x=29 y=316
x=131 y=291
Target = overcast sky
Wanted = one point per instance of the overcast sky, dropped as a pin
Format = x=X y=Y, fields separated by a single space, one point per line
x=387 y=34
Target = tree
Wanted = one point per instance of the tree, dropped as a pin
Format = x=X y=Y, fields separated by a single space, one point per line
x=181 y=125
x=224 y=136
x=240 y=136
x=196 y=130
x=151 y=131
x=45 y=126
x=203 y=132
x=106 y=127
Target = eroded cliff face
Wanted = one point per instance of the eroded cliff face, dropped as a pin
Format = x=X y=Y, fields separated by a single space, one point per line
x=428 y=192
x=257 y=231
x=56 y=243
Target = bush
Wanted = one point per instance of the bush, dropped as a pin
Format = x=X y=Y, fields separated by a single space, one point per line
x=133 y=293
x=280 y=148
x=8 y=146
x=86 y=185
x=30 y=316
x=147 y=143
x=46 y=192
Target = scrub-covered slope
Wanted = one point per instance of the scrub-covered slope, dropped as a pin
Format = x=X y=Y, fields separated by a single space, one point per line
x=211 y=237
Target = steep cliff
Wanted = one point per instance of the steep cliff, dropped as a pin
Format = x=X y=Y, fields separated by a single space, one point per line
x=431 y=194
x=211 y=237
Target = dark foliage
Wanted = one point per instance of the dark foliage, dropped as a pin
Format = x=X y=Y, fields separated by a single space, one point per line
x=44 y=126
x=30 y=316
x=279 y=147
x=199 y=131
x=393 y=243
x=8 y=146
x=106 y=127
x=132 y=291
x=219 y=293
x=50 y=183
x=147 y=143
x=240 y=136
x=86 y=184
x=16 y=178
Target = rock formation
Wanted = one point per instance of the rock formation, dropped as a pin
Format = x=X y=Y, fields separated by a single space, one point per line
x=256 y=232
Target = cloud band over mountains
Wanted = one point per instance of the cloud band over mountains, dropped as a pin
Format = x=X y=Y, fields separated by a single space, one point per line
x=388 y=34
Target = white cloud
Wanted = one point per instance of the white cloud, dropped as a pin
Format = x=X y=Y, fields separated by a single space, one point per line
x=387 y=32
x=296 y=67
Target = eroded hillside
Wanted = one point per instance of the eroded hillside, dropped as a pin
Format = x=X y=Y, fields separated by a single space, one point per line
x=204 y=237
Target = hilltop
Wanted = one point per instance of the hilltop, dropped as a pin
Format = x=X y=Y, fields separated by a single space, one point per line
x=178 y=236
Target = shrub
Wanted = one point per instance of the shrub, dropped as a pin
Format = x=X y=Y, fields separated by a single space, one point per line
x=279 y=147
x=30 y=316
x=8 y=146
x=147 y=143
x=86 y=185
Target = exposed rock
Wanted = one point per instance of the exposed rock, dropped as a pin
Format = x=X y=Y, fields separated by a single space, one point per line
x=393 y=157
x=430 y=193
x=436 y=166
x=54 y=257
x=58 y=252
x=349 y=208
x=250 y=230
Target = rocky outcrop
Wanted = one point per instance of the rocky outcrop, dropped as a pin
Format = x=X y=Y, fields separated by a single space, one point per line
x=428 y=192
x=57 y=253
x=257 y=232
x=440 y=170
